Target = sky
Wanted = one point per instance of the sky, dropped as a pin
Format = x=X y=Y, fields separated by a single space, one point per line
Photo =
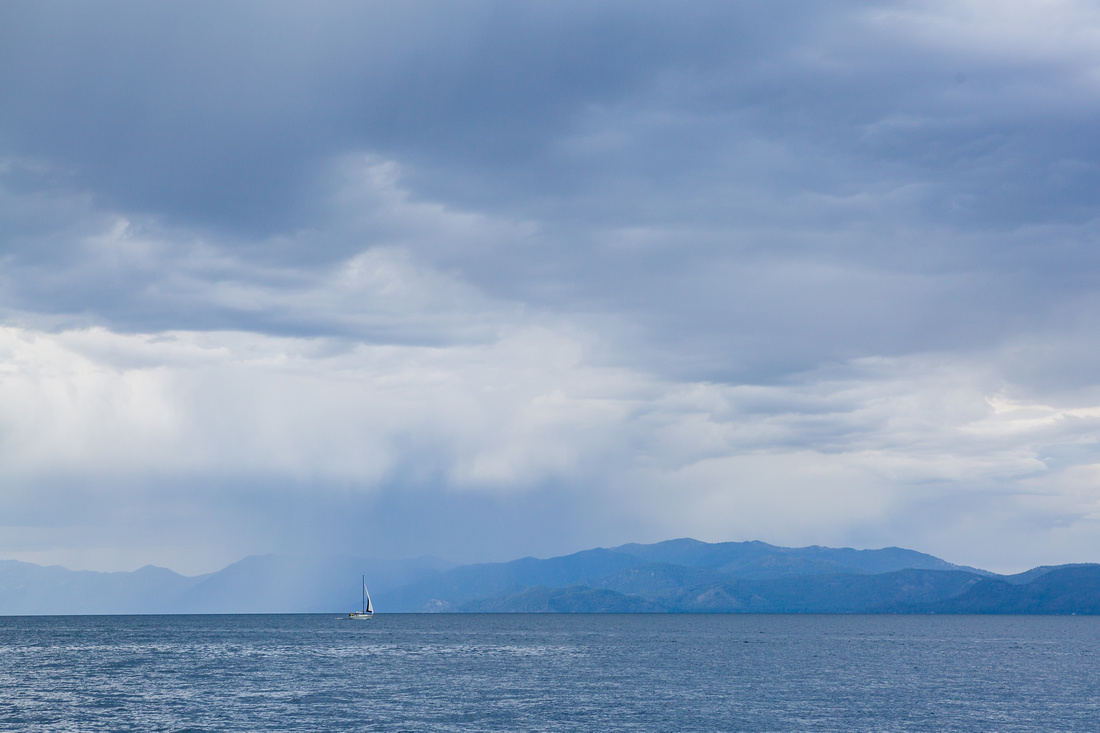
x=484 y=280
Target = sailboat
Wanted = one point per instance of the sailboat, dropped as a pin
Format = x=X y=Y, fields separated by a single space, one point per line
x=368 y=609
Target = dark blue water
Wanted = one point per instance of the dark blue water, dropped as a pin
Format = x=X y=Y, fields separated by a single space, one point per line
x=550 y=673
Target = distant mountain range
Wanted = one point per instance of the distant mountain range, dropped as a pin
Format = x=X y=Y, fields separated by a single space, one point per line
x=679 y=576
x=261 y=584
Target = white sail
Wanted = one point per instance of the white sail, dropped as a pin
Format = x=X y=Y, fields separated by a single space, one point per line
x=368 y=607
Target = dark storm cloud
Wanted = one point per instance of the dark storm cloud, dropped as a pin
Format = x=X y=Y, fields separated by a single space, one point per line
x=718 y=172
x=217 y=114
x=214 y=114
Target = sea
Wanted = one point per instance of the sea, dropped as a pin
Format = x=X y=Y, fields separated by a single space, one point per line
x=518 y=672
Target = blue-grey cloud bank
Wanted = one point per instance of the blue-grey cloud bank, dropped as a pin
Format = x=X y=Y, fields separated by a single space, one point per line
x=489 y=279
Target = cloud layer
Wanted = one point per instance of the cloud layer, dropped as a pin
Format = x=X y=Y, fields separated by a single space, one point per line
x=497 y=279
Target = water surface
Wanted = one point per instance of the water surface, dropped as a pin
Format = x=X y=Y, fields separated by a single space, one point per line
x=550 y=673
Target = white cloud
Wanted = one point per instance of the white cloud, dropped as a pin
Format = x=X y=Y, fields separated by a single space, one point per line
x=838 y=455
x=94 y=401
x=1014 y=32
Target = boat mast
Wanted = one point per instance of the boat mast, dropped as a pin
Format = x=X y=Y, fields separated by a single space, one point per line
x=364 y=595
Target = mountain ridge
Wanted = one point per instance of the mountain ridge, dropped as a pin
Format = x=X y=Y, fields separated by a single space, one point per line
x=677 y=576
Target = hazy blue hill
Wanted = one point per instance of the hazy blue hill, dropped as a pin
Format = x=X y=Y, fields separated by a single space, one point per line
x=761 y=560
x=452 y=588
x=26 y=588
x=696 y=554
x=277 y=584
x=839 y=593
x=779 y=565
x=660 y=580
x=301 y=584
x=664 y=572
x=575 y=599
x=267 y=584
x=1029 y=575
x=659 y=587
x=1059 y=590
x=687 y=588
x=884 y=560
x=680 y=575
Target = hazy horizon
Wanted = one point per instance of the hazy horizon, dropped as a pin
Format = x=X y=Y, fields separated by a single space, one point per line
x=450 y=562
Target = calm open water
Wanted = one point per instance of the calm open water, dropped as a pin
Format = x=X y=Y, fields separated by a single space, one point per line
x=550 y=673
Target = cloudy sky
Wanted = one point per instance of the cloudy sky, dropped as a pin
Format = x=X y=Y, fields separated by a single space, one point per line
x=490 y=279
